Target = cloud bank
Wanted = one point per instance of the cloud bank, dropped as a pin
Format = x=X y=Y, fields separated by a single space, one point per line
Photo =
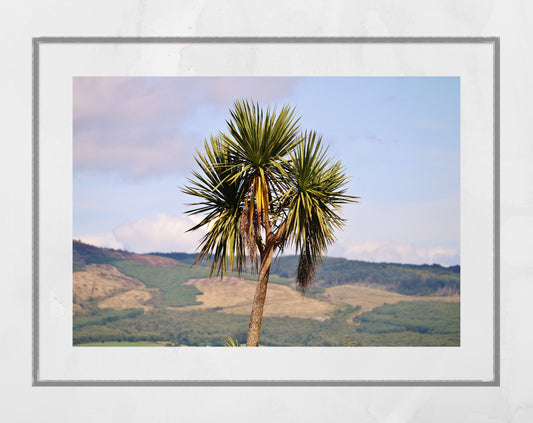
x=161 y=233
x=391 y=252
x=141 y=127
x=164 y=233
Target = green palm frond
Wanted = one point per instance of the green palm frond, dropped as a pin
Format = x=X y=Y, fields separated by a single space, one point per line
x=231 y=342
x=260 y=142
x=220 y=203
x=264 y=182
x=313 y=201
x=261 y=139
x=349 y=343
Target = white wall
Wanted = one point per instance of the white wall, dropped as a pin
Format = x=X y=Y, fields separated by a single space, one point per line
x=510 y=20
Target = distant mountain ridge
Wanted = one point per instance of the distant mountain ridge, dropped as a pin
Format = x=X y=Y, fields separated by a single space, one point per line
x=407 y=279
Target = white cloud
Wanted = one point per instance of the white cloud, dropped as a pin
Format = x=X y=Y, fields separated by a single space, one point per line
x=162 y=233
x=102 y=240
x=443 y=255
x=387 y=251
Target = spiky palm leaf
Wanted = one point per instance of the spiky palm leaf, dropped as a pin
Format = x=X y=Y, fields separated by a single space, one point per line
x=241 y=171
x=264 y=182
x=260 y=142
x=313 y=200
x=221 y=203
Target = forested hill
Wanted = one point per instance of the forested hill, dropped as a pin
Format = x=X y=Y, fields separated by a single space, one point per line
x=408 y=279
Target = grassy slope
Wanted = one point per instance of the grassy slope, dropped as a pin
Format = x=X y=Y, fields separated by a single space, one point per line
x=208 y=327
x=369 y=298
x=168 y=280
x=234 y=295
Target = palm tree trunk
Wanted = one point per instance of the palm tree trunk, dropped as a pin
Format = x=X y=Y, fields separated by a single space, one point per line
x=256 y=318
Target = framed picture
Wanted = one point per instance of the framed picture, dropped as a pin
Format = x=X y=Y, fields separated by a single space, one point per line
x=118 y=123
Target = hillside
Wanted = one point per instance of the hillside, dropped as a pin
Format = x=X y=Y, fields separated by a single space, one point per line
x=122 y=296
x=407 y=279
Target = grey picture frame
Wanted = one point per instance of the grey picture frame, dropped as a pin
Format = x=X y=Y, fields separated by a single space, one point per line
x=38 y=42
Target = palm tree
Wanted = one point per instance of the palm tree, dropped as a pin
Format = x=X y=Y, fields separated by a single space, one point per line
x=262 y=186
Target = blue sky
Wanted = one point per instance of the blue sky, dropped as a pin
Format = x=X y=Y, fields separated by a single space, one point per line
x=398 y=138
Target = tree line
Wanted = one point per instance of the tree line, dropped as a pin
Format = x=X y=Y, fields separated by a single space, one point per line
x=407 y=279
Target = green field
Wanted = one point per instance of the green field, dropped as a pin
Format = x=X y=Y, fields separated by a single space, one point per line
x=431 y=317
x=120 y=344
x=211 y=328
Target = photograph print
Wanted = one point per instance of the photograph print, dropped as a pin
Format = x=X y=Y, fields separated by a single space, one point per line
x=266 y=211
